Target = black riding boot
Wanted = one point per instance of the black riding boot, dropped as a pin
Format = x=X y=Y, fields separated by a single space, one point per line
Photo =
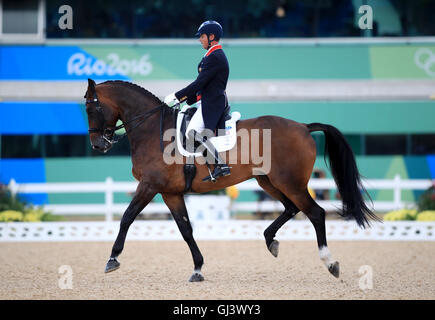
x=221 y=169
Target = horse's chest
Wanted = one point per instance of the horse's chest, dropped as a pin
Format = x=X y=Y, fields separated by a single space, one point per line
x=136 y=174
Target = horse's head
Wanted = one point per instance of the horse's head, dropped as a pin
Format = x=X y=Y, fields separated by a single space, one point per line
x=102 y=117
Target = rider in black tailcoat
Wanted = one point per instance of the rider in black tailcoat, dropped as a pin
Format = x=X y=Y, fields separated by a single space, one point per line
x=208 y=91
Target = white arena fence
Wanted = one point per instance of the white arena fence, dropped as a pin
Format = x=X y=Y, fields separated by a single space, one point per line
x=212 y=230
x=196 y=203
x=210 y=216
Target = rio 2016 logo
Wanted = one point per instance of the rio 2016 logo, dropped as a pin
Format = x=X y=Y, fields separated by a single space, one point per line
x=425 y=60
x=79 y=64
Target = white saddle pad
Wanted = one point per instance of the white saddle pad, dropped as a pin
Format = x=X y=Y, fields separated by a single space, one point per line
x=221 y=143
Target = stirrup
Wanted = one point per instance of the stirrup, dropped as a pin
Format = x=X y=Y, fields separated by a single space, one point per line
x=210 y=177
x=222 y=173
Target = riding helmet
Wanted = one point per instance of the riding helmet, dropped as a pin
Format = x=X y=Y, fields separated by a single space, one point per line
x=209 y=27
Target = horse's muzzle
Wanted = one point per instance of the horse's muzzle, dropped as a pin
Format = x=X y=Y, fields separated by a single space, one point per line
x=103 y=145
x=102 y=150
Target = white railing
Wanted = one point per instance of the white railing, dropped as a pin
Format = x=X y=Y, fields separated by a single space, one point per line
x=156 y=230
x=109 y=187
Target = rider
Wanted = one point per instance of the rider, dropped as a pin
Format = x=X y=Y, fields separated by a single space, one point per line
x=208 y=91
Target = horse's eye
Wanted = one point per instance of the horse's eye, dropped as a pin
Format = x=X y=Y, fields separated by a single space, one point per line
x=108 y=131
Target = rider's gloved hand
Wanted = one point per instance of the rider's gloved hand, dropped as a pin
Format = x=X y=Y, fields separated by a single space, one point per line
x=171 y=100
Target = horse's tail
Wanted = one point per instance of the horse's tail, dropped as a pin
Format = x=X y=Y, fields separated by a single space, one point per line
x=346 y=175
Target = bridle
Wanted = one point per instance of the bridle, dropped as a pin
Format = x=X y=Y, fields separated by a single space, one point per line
x=108 y=133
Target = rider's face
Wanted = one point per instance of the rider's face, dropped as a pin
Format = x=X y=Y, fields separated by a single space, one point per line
x=204 y=41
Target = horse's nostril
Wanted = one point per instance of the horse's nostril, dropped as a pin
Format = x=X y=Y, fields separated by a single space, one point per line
x=95 y=147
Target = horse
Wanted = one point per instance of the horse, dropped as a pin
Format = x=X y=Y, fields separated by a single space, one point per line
x=292 y=154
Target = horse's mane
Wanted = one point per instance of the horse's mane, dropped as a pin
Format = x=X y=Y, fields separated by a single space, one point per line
x=135 y=87
x=141 y=90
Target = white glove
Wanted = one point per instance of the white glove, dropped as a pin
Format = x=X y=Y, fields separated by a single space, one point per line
x=171 y=100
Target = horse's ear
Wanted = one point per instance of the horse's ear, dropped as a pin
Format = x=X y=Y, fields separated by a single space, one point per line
x=91 y=87
x=91 y=84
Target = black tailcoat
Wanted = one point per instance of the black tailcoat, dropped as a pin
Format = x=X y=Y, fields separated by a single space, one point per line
x=210 y=86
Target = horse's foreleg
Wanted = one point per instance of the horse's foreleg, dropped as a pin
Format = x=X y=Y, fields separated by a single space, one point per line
x=176 y=205
x=289 y=212
x=144 y=194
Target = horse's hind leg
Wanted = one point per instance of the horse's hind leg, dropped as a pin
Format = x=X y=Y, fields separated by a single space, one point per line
x=176 y=205
x=289 y=212
x=291 y=177
x=316 y=214
x=302 y=200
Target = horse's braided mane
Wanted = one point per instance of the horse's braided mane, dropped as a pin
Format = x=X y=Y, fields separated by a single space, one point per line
x=141 y=90
x=135 y=87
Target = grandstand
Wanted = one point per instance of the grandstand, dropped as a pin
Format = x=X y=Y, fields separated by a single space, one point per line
x=303 y=60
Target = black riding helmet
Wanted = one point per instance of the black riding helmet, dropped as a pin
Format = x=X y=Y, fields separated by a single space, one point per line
x=209 y=27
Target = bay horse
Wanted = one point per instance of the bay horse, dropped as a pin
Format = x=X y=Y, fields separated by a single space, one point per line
x=292 y=152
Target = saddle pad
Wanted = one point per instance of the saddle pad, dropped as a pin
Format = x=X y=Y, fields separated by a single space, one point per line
x=221 y=143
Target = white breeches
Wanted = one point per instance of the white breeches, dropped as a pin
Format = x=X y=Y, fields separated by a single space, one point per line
x=197 y=122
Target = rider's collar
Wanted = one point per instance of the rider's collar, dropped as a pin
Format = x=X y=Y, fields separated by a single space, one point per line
x=213 y=48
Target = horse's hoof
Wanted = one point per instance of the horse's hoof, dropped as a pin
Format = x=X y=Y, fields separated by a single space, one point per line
x=112 y=265
x=334 y=269
x=274 y=248
x=196 y=277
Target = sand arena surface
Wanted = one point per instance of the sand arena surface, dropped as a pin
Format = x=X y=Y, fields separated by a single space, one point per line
x=232 y=270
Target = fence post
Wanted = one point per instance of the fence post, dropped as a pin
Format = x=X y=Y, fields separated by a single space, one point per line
x=13 y=187
x=397 y=192
x=109 y=199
